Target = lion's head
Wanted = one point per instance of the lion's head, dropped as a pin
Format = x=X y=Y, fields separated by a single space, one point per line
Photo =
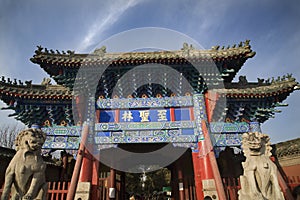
x=255 y=144
x=30 y=139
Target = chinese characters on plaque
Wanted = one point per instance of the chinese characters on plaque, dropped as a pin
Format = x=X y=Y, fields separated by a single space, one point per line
x=146 y=115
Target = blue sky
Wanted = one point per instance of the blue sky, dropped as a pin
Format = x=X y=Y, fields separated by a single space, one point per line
x=272 y=26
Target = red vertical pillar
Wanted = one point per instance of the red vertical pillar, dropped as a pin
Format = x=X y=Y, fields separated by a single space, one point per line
x=86 y=172
x=197 y=175
x=95 y=179
x=86 y=167
x=211 y=99
x=213 y=163
x=205 y=166
x=78 y=164
x=202 y=168
x=112 y=189
x=87 y=160
x=210 y=103
x=180 y=181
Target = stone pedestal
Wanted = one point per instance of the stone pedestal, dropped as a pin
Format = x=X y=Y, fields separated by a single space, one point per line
x=83 y=191
x=209 y=188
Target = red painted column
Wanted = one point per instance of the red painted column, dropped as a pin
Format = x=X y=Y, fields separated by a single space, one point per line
x=180 y=181
x=213 y=162
x=202 y=168
x=112 y=189
x=95 y=179
x=197 y=164
x=210 y=103
x=205 y=166
x=86 y=167
x=86 y=172
x=78 y=164
x=211 y=99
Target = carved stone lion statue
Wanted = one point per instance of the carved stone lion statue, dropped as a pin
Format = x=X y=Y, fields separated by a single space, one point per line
x=259 y=180
x=25 y=175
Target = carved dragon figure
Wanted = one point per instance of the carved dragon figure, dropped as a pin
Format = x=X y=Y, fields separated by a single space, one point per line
x=25 y=175
x=259 y=181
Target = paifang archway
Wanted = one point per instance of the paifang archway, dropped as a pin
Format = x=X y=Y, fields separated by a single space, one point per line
x=110 y=122
x=180 y=121
x=168 y=120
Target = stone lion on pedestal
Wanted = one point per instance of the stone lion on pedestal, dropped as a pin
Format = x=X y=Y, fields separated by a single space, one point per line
x=25 y=175
x=259 y=181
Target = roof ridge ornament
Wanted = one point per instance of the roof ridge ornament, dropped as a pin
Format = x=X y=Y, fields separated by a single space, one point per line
x=28 y=83
x=186 y=48
x=247 y=43
x=290 y=76
x=71 y=53
x=46 y=81
x=243 y=81
x=285 y=78
x=260 y=81
x=215 y=48
x=100 y=51
x=51 y=51
x=39 y=49
x=9 y=81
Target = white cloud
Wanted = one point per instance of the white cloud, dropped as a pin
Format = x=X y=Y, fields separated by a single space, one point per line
x=104 y=21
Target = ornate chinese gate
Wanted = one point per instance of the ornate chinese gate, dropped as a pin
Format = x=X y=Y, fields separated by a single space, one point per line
x=179 y=121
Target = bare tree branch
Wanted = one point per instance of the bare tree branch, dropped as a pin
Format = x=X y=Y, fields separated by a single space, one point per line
x=8 y=134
